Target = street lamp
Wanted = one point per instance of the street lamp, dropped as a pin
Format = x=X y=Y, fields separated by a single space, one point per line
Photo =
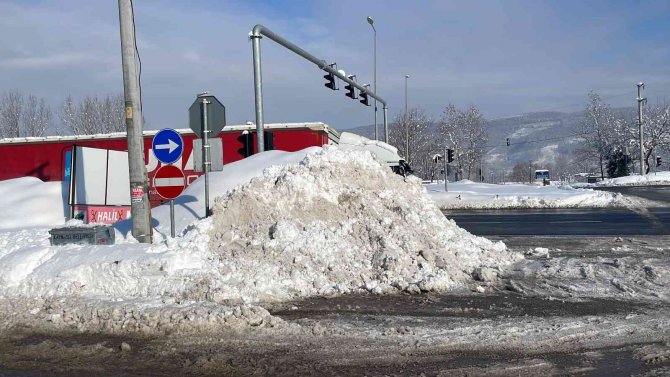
x=406 y=77
x=371 y=21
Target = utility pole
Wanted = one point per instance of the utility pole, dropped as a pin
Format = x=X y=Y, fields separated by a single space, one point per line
x=140 y=208
x=640 y=100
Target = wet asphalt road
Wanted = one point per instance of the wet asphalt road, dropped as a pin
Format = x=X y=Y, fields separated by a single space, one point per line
x=564 y=222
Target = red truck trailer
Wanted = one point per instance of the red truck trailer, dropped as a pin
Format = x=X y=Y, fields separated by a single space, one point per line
x=48 y=158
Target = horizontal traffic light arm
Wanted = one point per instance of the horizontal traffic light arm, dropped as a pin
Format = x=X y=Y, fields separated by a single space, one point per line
x=260 y=30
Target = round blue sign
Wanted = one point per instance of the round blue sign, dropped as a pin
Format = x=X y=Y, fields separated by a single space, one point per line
x=167 y=146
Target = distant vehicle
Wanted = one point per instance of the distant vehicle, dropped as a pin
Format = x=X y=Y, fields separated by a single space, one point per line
x=542 y=176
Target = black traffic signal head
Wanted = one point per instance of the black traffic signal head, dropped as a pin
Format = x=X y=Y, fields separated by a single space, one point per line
x=659 y=161
x=247 y=140
x=508 y=142
x=351 y=90
x=450 y=155
x=364 y=96
x=332 y=84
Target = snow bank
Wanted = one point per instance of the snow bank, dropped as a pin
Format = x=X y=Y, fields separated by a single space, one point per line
x=190 y=205
x=29 y=202
x=334 y=222
x=339 y=222
x=467 y=194
x=658 y=178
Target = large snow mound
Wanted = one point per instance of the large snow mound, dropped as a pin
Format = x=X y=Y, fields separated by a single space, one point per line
x=337 y=222
x=331 y=222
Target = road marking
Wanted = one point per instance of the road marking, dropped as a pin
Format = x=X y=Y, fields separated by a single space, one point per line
x=574 y=221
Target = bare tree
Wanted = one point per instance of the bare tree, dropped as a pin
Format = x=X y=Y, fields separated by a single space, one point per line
x=36 y=117
x=465 y=131
x=10 y=114
x=410 y=133
x=600 y=131
x=93 y=115
x=656 y=121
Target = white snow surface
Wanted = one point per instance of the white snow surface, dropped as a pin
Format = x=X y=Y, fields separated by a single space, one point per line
x=468 y=194
x=658 y=178
x=29 y=202
x=314 y=222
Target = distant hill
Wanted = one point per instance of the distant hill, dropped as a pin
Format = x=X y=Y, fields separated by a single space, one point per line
x=540 y=137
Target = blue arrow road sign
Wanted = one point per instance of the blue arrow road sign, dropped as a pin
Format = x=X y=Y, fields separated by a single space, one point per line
x=167 y=146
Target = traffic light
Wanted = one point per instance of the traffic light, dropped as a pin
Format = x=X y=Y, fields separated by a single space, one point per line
x=247 y=141
x=351 y=90
x=508 y=142
x=268 y=140
x=330 y=78
x=450 y=155
x=364 y=96
x=658 y=161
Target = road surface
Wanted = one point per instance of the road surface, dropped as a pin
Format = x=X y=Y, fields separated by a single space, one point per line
x=564 y=222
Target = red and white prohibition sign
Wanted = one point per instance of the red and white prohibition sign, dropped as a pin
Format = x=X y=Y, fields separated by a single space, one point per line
x=169 y=181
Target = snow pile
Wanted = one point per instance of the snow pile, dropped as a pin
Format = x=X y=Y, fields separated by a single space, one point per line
x=468 y=194
x=29 y=202
x=658 y=178
x=335 y=223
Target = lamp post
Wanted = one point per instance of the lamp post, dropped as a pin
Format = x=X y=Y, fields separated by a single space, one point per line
x=407 y=120
x=371 y=21
x=406 y=77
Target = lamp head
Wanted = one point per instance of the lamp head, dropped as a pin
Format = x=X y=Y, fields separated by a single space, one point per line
x=370 y=20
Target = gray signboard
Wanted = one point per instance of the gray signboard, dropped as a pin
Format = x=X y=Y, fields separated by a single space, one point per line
x=216 y=115
x=215 y=151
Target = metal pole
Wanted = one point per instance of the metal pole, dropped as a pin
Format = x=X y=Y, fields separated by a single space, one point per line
x=206 y=164
x=375 y=82
x=640 y=86
x=446 y=176
x=255 y=35
x=258 y=90
x=406 y=77
x=386 y=125
x=172 y=218
x=371 y=21
x=140 y=208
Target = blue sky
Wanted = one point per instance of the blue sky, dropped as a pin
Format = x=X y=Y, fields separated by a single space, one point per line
x=507 y=57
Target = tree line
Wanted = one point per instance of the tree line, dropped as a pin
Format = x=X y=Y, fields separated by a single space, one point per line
x=26 y=115
x=418 y=140
x=610 y=139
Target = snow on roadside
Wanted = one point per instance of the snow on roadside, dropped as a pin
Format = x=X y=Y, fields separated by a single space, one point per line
x=651 y=179
x=28 y=202
x=322 y=222
x=470 y=195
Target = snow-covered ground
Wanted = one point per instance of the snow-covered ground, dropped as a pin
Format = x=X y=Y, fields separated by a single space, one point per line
x=658 y=178
x=285 y=225
x=468 y=194
x=321 y=222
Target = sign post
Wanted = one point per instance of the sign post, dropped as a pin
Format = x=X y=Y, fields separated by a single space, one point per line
x=207 y=117
x=169 y=182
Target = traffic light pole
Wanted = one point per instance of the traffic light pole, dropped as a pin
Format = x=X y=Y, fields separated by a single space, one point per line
x=446 y=165
x=140 y=208
x=260 y=31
